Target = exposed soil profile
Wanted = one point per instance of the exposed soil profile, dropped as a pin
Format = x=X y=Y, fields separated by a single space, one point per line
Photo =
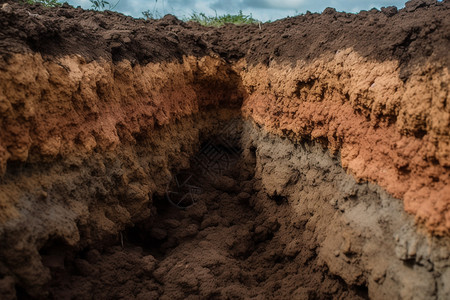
x=308 y=158
x=233 y=243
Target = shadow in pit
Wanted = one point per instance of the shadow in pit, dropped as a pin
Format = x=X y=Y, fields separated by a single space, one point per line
x=235 y=241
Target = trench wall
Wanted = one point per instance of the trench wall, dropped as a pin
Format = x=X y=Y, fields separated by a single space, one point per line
x=87 y=138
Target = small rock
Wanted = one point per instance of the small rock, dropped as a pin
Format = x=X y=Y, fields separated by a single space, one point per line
x=329 y=11
x=149 y=263
x=389 y=11
x=292 y=249
x=190 y=230
x=303 y=293
x=346 y=246
x=115 y=45
x=225 y=184
x=412 y=249
x=7 y=8
x=172 y=223
x=210 y=221
x=412 y=5
x=243 y=197
x=43 y=195
x=272 y=224
x=261 y=233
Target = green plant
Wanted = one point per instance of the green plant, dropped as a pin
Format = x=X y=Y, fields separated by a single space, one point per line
x=154 y=13
x=47 y=3
x=151 y=15
x=102 y=4
x=218 y=21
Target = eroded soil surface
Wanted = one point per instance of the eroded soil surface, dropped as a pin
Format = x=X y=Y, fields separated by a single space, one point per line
x=410 y=35
x=231 y=244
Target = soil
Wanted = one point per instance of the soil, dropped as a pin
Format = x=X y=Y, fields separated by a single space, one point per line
x=339 y=182
x=410 y=35
x=219 y=248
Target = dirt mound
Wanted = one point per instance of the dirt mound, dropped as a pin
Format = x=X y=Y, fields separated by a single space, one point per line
x=95 y=35
x=410 y=35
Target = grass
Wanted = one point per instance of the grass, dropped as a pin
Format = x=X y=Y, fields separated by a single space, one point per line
x=47 y=3
x=96 y=4
x=201 y=18
x=217 y=21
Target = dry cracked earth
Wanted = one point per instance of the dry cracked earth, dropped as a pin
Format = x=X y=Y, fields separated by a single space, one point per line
x=308 y=158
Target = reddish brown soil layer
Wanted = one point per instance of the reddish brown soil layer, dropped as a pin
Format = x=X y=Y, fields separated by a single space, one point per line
x=71 y=106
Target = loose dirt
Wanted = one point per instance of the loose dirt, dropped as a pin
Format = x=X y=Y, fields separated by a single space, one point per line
x=219 y=248
x=410 y=35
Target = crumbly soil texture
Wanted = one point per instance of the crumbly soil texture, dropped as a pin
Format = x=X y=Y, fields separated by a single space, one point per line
x=411 y=35
x=230 y=242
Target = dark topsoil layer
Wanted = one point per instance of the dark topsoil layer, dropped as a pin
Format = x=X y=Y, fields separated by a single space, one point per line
x=252 y=256
x=419 y=31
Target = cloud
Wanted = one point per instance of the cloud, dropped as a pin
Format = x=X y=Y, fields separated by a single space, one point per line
x=274 y=4
x=304 y=5
x=260 y=9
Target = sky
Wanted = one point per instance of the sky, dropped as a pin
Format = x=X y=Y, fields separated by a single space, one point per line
x=263 y=10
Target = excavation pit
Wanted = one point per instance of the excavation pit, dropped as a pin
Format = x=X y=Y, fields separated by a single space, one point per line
x=231 y=241
x=301 y=159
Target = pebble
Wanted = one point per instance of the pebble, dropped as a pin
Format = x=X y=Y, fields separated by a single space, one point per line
x=7 y=8
x=190 y=230
x=172 y=223
x=225 y=184
x=149 y=263
x=243 y=197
